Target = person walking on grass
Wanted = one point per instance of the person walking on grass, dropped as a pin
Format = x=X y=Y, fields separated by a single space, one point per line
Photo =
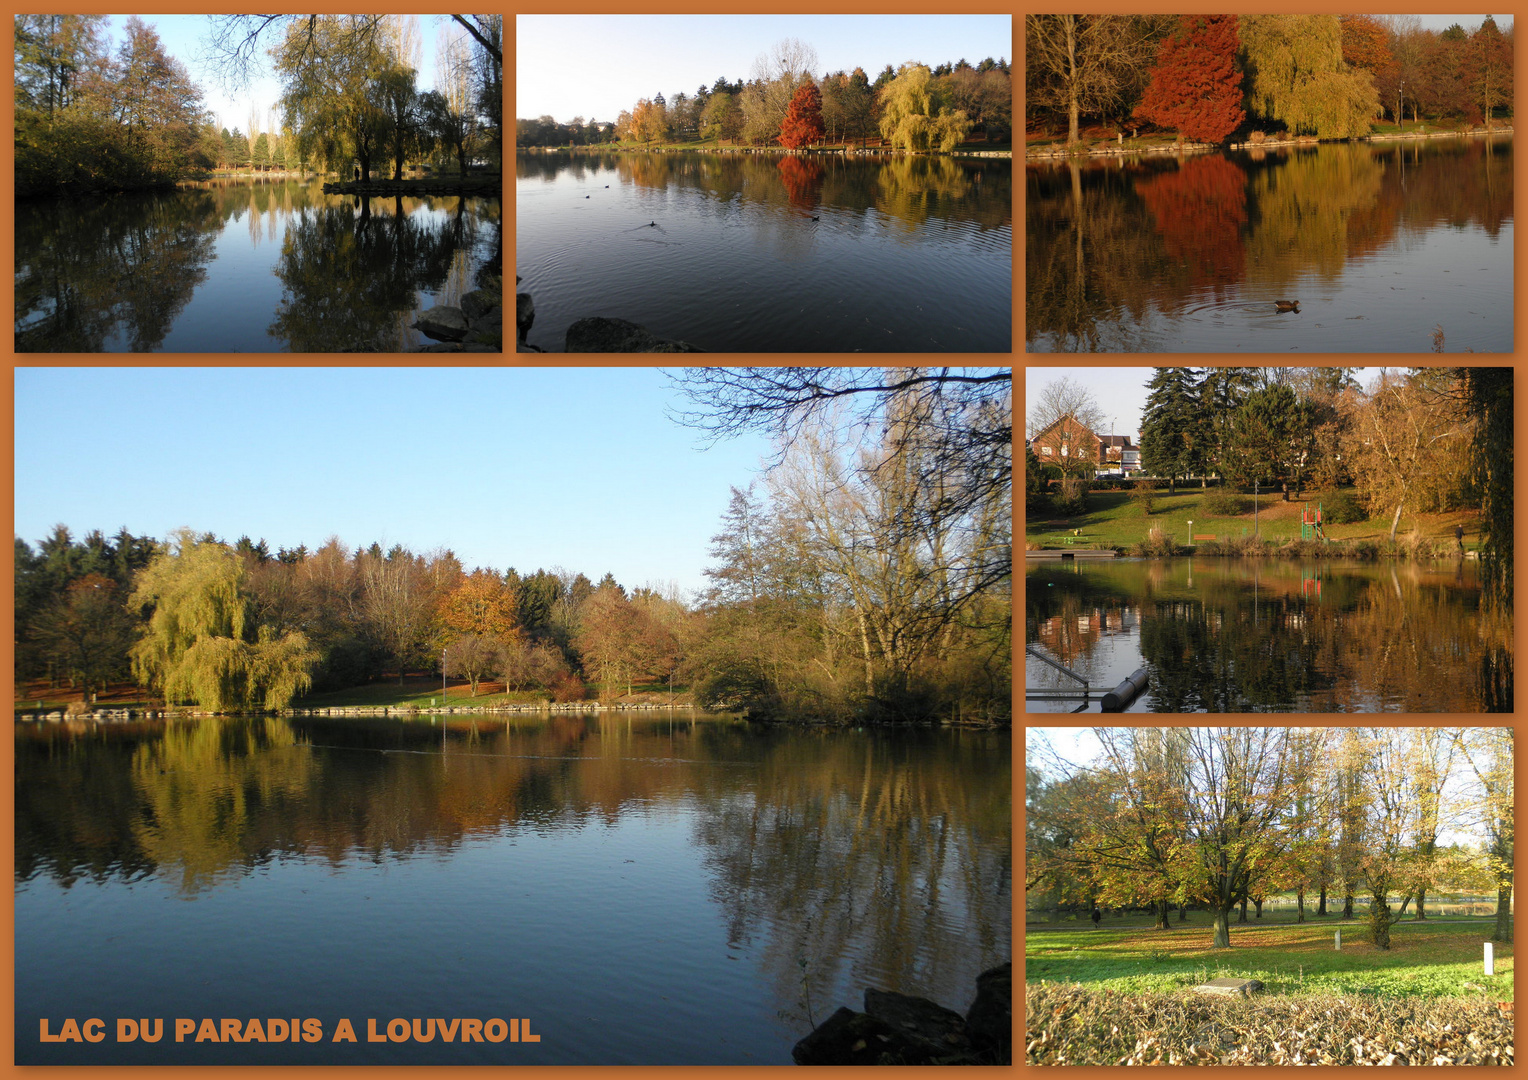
x=1097 y=917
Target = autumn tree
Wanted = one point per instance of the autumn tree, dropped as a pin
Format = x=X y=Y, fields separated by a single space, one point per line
x=88 y=632
x=609 y=637
x=1366 y=46
x=915 y=115
x=1195 y=85
x=330 y=93
x=398 y=602
x=803 y=118
x=1408 y=445
x=647 y=121
x=1298 y=77
x=1489 y=68
x=1489 y=753
x=200 y=644
x=1080 y=64
x=777 y=74
x=479 y=624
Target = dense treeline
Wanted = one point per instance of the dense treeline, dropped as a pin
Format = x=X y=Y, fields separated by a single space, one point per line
x=914 y=106
x=91 y=118
x=1220 y=817
x=1209 y=76
x=865 y=587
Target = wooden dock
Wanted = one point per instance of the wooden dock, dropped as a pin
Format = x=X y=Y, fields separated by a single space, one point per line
x=1080 y=553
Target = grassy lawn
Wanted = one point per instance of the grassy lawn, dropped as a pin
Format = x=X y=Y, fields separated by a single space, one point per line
x=1430 y=959
x=1113 y=520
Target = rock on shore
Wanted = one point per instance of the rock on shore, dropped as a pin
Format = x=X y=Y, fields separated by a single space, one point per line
x=899 y=1029
x=618 y=335
x=476 y=326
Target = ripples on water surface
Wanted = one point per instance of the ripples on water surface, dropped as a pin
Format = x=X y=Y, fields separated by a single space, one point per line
x=1381 y=243
x=644 y=890
x=720 y=250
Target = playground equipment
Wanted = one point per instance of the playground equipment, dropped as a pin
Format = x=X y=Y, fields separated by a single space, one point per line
x=1310 y=523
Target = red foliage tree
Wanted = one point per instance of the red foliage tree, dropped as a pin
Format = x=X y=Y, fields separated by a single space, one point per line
x=803 y=118
x=1195 y=86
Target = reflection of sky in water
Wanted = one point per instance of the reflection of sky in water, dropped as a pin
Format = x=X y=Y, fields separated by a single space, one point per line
x=643 y=889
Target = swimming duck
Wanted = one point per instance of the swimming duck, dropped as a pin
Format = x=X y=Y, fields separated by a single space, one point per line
x=1287 y=305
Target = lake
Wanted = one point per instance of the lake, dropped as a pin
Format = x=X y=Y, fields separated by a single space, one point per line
x=645 y=888
x=1270 y=635
x=244 y=266
x=1380 y=242
x=908 y=254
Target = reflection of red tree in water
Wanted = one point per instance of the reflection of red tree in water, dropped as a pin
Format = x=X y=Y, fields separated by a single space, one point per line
x=803 y=181
x=1201 y=209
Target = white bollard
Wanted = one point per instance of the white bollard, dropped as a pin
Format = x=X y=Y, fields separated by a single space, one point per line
x=1339 y=939
x=1490 y=959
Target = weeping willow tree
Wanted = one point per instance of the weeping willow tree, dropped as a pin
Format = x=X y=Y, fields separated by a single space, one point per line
x=914 y=113
x=1298 y=77
x=200 y=645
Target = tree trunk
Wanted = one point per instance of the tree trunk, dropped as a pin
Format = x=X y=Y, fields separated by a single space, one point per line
x=1072 y=109
x=1321 y=909
x=1259 y=904
x=1421 y=904
x=1300 y=904
x=1379 y=922
x=1347 y=905
x=1163 y=910
x=1503 y=914
x=1243 y=916
x=1222 y=927
x=1183 y=913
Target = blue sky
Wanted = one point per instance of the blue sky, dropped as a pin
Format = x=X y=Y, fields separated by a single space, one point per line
x=596 y=65
x=523 y=467
x=184 y=38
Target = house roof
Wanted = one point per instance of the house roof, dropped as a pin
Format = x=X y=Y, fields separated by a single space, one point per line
x=1122 y=441
x=1057 y=423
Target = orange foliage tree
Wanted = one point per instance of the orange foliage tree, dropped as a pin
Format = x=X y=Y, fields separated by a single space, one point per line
x=1195 y=86
x=479 y=622
x=803 y=118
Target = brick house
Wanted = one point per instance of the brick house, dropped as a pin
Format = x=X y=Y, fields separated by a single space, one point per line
x=1068 y=441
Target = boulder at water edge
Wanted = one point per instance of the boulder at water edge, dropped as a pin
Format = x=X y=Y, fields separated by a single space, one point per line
x=443 y=323
x=618 y=335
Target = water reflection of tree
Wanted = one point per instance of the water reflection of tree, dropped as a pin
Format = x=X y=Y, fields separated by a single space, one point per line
x=803 y=181
x=349 y=272
x=1092 y=257
x=1098 y=259
x=852 y=850
x=836 y=847
x=1201 y=212
x=88 y=270
x=1304 y=207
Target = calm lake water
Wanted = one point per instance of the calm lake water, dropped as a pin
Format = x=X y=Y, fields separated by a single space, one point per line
x=1379 y=242
x=643 y=890
x=1270 y=635
x=909 y=254
x=240 y=266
